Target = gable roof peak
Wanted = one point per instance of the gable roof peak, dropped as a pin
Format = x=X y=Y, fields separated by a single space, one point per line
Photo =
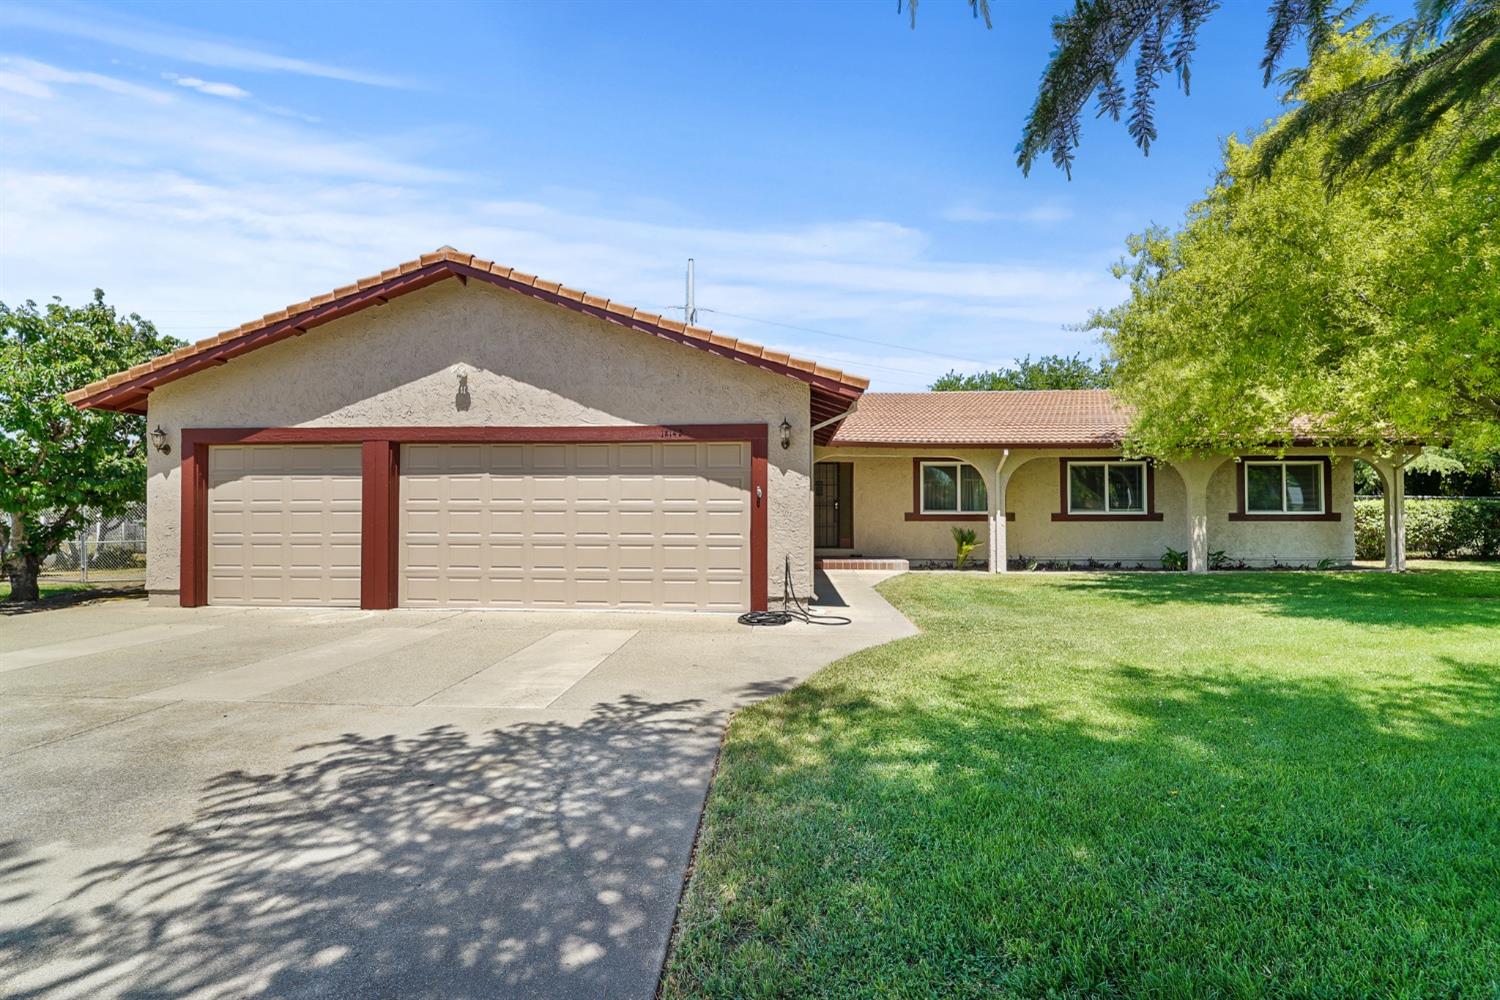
x=126 y=391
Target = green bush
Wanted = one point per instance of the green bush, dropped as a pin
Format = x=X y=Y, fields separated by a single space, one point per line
x=964 y=540
x=1440 y=528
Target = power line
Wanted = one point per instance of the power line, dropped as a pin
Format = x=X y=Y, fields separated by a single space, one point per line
x=858 y=364
x=845 y=336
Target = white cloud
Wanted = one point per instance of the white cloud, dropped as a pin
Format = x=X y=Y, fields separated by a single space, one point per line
x=151 y=38
x=30 y=78
x=132 y=126
x=23 y=84
x=1040 y=213
x=228 y=90
x=202 y=214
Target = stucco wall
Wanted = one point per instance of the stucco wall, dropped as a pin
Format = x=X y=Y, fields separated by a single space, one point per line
x=1034 y=495
x=883 y=496
x=528 y=364
x=1295 y=543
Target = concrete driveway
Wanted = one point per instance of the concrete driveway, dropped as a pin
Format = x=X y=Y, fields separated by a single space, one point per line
x=228 y=803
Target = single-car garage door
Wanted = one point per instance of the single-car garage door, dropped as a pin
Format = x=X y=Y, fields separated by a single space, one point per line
x=639 y=525
x=284 y=524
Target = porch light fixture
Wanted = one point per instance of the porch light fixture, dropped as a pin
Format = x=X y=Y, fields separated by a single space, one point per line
x=786 y=435
x=159 y=441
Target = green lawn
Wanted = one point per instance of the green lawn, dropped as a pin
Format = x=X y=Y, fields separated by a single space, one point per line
x=52 y=590
x=1070 y=785
x=48 y=589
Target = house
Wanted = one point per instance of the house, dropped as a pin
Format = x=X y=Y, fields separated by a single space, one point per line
x=903 y=468
x=454 y=433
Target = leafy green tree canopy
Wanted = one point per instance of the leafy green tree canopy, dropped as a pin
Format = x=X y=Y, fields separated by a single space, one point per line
x=1050 y=371
x=57 y=461
x=1373 y=313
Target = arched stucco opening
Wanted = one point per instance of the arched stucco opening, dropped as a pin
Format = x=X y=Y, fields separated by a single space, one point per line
x=1386 y=479
x=1045 y=531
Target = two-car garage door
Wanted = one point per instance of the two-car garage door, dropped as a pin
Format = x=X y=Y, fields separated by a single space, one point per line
x=634 y=525
x=619 y=525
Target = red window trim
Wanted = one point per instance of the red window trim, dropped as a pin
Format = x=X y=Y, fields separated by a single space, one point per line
x=380 y=467
x=1241 y=514
x=915 y=514
x=1063 y=514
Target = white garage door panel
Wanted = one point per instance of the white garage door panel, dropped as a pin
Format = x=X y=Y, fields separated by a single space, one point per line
x=284 y=524
x=648 y=525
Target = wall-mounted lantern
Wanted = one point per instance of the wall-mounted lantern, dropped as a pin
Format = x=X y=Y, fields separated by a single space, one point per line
x=159 y=441
x=786 y=435
x=461 y=399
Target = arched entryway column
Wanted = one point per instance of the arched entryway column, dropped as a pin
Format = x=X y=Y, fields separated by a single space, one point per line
x=1392 y=472
x=1196 y=473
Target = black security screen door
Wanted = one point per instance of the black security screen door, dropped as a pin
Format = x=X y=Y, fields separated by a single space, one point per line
x=833 y=505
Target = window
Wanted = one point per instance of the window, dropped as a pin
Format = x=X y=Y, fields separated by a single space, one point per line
x=1283 y=487
x=952 y=488
x=1106 y=488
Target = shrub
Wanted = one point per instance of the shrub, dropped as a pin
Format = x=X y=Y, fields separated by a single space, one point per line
x=1369 y=529
x=964 y=540
x=1440 y=528
x=1174 y=560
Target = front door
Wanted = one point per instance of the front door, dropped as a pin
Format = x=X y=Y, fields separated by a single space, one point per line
x=833 y=505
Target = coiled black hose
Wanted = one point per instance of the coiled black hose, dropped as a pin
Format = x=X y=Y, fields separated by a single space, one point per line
x=792 y=608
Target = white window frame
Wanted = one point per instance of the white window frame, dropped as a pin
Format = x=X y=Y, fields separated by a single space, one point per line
x=1282 y=463
x=1145 y=508
x=958 y=468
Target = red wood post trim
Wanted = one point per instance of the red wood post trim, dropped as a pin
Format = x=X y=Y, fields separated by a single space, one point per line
x=760 y=500
x=394 y=530
x=192 y=570
x=378 y=501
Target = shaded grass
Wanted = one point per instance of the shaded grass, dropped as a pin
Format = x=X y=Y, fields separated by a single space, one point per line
x=1120 y=785
x=47 y=589
x=59 y=595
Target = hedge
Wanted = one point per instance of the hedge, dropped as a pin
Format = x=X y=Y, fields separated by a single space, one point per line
x=1439 y=528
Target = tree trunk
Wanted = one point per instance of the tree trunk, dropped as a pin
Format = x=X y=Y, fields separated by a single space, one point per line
x=24 y=568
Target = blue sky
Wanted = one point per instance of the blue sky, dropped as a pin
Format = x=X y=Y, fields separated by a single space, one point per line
x=836 y=174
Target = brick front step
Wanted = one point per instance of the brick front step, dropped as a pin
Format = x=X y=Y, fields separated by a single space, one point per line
x=899 y=565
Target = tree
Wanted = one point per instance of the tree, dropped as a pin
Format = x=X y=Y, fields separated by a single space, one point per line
x=58 y=462
x=1050 y=371
x=1279 y=310
x=1453 y=50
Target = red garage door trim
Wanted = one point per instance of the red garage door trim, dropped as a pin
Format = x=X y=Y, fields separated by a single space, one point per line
x=382 y=474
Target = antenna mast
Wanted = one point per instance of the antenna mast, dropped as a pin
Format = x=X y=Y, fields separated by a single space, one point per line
x=690 y=311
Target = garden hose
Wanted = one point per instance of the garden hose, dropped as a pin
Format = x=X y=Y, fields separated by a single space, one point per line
x=792 y=608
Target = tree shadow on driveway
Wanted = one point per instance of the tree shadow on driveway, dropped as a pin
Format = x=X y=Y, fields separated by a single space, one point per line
x=540 y=859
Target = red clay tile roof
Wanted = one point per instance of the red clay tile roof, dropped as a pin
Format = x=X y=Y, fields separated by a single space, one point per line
x=1044 y=417
x=833 y=390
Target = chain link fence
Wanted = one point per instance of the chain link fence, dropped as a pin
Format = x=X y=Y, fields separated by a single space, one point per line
x=107 y=551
